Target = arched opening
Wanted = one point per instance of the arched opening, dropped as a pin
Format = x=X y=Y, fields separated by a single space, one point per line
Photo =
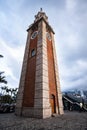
x=53 y=105
x=33 y=53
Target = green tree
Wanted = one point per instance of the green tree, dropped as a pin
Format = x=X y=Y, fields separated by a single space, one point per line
x=1 y=56
x=14 y=93
x=6 y=99
x=2 y=78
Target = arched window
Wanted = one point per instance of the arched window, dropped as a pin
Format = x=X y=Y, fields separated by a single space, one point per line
x=33 y=52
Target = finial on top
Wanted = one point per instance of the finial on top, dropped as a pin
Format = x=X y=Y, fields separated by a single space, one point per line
x=41 y=9
x=41 y=14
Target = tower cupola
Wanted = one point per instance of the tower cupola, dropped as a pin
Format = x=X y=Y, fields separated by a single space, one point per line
x=41 y=14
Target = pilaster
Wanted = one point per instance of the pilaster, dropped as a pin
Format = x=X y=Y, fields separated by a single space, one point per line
x=59 y=94
x=22 y=78
x=41 y=83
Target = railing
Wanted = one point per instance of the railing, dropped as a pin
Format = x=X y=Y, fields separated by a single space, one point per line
x=74 y=102
x=68 y=99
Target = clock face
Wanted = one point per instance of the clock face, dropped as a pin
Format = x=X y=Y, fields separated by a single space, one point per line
x=34 y=34
x=48 y=36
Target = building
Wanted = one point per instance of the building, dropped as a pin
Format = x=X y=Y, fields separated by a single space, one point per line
x=39 y=93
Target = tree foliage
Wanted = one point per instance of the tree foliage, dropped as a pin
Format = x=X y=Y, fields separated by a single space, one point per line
x=9 y=94
x=2 y=78
x=1 y=56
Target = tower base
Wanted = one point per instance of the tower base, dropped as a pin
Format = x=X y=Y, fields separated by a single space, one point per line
x=33 y=112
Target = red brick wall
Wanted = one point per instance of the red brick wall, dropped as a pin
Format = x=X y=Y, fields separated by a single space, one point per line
x=51 y=71
x=29 y=88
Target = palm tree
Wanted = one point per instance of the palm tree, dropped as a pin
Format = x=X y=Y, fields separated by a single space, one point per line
x=14 y=92
x=4 y=94
x=2 y=88
x=2 y=78
x=5 y=89
x=1 y=56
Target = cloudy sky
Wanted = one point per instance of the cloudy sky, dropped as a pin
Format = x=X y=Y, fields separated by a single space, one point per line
x=68 y=18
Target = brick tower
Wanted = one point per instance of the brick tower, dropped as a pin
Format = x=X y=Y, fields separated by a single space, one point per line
x=39 y=92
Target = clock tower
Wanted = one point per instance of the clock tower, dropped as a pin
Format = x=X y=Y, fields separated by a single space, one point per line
x=39 y=92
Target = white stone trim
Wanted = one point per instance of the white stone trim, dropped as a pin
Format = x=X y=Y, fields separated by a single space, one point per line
x=60 y=104
x=41 y=80
x=22 y=78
